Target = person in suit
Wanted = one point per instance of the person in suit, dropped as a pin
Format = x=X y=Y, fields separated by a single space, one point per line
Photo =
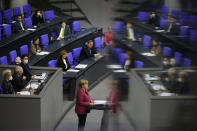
x=109 y=37
x=63 y=31
x=88 y=51
x=34 y=47
x=129 y=62
x=130 y=32
x=156 y=48
x=19 y=81
x=7 y=85
x=63 y=61
x=19 y=25
x=166 y=64
x=172 y=28
x=37 y=18
x=153 y=19
x=83 y=101
x=26 y=69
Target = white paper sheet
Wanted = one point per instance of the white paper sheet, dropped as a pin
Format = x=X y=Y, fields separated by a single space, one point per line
x=43 y=53
x=159 y=30
x=149 y=78
x=30 y=29
x=34 y=85
x=43 y=76
x=114 y=67
x=73 y=70
x=157 y=87
x=100 y=102
x=166 y=94
x=119 y=71
x=24 y=93
x=148 y=54
x=81 y=66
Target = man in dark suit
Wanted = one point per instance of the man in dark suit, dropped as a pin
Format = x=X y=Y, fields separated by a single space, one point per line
x=25 y=66
x=172 y=28
x=19 y=25
x=19 y=81
x=153 y=19
x=88 y=51
x=63 y=31
x=37 y=18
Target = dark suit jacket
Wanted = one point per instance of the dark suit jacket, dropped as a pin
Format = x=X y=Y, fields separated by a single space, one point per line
x=85 y=53
x=174 y=30
x=154 y=21
x=18 y=82
x=67 y=31
x=17 y=26
x=37 y=20
x=26 y=71
x=7 y=87
x=61 y=64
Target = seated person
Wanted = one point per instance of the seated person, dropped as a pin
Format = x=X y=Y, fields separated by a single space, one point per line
x=130 y=32
x=172 y=62
x=19 y=25
x=172 y=27
x=26 y=69
x=63 y=31
x=88 y=51
x=35 y=48
x=7 y=85
x=19 y=81
x=166 y=63
x=153 y=19
x=129 y=62
x=156 y=48
x=37 y=18
x=63 y=61
x=109 y=37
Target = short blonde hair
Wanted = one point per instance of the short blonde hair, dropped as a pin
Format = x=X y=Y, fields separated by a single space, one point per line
x=18 y=69
x=82 y=82
x=6 y=72
x=63 y=52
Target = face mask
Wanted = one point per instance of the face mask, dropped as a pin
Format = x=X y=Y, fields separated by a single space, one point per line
x=165 y=62
x=10 y=78
x=153 y=15
x=25 y=61
x=38 y=13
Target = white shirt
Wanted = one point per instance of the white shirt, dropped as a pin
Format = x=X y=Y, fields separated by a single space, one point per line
x=65 y=63
x=169 y=28
x=60 y=35
x=131 y=34
x=22 y=26
x=127 y=63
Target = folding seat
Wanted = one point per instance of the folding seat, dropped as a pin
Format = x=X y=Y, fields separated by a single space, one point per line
x=76 y=27
x=98 y=43
x=143 y=16
x=12 y=56
x=27 y=10
x=178 y=57
x=167 y=51
x=1 y=19
x=7 y=15
x=70 y=59
x=4 y=60
x=192 y=20
x=175 y=13
x=163 y=23
x=49 y=15
x=118 y=26
x=52 y=63
x=122 y=59
x=16 y=12
x=184 y=18
x=116 y=52
x=183 y=31
x=164 y=11
x=28 y=22
x=44 y=41
x=147 y=41
x=76 y=53
x=193 y=36
x=24 y=50
x=1 y=90
x=138 y=64
x=186 y=62
x=7 y=31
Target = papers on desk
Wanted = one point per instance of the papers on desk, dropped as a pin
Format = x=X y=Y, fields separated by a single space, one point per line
x=30 y=29
x=73 y=70
x=119 y=71
x=148 y=54
x=81 y=66
x=166 y=94
x=41 y=76
x=43 y=53
x=33 y=85
x=100 y=102
x=24 y=93
x=147 y=77
x=157 y=87
x=114 y=67
x=159 y=30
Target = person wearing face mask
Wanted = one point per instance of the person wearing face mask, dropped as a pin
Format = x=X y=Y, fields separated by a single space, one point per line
x=26 y=69
x=19 y=81
x=37 y=18
x=166 y=63
x=153 y=19
x=182 y=84
x=7 y=85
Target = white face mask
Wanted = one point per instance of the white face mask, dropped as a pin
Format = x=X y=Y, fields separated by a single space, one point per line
x=38 y=13
x=165 y=62
x=25 y=61
x=153 y=15
x=10 y=78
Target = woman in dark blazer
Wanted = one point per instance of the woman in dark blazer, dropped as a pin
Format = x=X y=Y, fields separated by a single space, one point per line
x=63 y=61
x=129 y=62
x=83 y=101
x=7 y=85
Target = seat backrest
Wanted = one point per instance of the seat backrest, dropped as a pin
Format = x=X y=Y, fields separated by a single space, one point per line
x=192 y=20
x=4 y=60
x=7 y=31
x=7 y=15
x=70 y=58
x=24 y=50
x=147 y=41
x=164 y=10
x=1 y=90
x=138 y=64
x=184 y=18
x=143 y=16
x=98 y=43
x=116 y=52
x=27 y=10
x=44 y=40
x=122 y=59
x=167 y=51
x=193 y=36
x=175 y=13
x=12 y=56
x=186 y=62
x=183 y=31
x=118 y=26
x=28 y=22
x=177 y=57
x=76 y=27
x=16 y=12
x=49 y=15
x=1 y=18
x=52 y=63
x=76 y=52
x=163 y=23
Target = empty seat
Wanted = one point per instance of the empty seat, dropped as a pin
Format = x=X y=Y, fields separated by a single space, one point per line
x=70 y=59
x=44 y=40
x=193 y=36
x=184 y=18
x=167 y=51
x=192 y=20
x=122 y=59
x=7 y=15
x=52 y=63
x=146 y=41
x=16 y=12
x=98 y=43
x=76 y=27
x=49 y=15
x=163 y=23
x=143 y=16
x=118 y=26
x=1 y=90
x=138 y=64
x=164 y=11
x=4 y=60
x=116 y=52
x=27 y=10
x=7 y=31
x=76 y=53
x=178 y=57
x=24 y=50
x=12 y=56
x=28 y=22
x=183 y=31
x=186 y=62
x=175 y=13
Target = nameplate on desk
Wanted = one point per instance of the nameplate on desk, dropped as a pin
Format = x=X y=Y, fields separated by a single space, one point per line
x=119 y=71
x=81 y=66
x=43 y=53
x=114 y=67
x=148 y=54
x=24 y=93
x=73 y=70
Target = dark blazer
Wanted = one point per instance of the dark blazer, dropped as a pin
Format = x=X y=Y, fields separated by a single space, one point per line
x=67 y=31
x=61 y=64
x=18 y=83
x=7 y=87
x=82 y=102
x=86 y=53
x=174 y=30
x=37 y=20
x=154 y=21
x=17 y=26
x=26 y=71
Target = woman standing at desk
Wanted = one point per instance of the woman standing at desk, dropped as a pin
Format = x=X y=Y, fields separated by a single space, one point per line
x=82 y=103
x=63 y=61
